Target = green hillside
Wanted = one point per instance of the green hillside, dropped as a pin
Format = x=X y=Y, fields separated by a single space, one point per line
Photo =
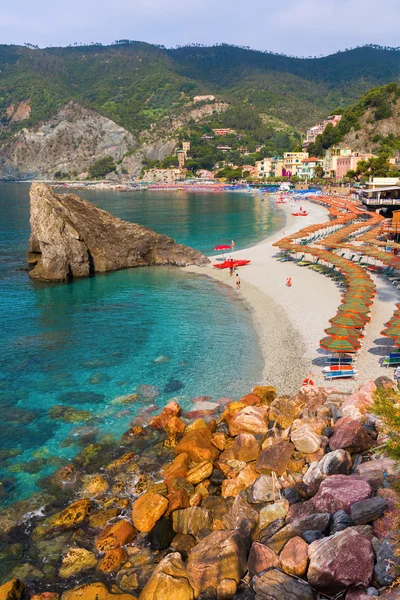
x=136 y=84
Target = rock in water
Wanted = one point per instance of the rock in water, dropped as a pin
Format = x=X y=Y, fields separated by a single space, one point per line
x=71 y=237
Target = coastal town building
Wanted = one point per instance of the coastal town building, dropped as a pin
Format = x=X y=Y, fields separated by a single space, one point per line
x=331 y=157
x=226 y=131
x=186 y=148
x=307 y=170
x=224 y=148
x=208 y=98
x=163 y=175
x=349 y=163
x=263 y=168
x=181 y=158
x=292 y=163
x=205 y=174
x=313 y=132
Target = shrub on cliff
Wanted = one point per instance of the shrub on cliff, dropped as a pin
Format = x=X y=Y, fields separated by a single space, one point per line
x=387 y=407
x=102 y=167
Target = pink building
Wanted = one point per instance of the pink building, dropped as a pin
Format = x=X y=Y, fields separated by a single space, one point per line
x=349 y=163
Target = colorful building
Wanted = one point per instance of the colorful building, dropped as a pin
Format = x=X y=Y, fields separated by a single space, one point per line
x=316 y=130
x=163 y=175
x=308 y=167
x=293 y=162
x=331 y=156
x=226 y=131
x=263 y=168
x=349 y=163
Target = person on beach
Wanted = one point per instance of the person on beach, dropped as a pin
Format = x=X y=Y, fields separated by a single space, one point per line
x=289 y=282
x=232 y=245
x=231 y=268
x=237 y=282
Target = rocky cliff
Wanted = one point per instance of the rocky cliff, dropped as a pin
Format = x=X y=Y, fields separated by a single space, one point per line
x=70 y=237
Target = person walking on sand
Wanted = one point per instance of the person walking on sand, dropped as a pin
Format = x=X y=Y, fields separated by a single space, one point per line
x=237 y=282
x=232 y=245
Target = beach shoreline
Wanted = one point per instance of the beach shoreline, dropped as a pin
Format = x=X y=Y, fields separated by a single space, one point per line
x=290 y=321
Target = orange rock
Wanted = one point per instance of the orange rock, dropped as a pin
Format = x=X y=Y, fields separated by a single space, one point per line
x=197 y=443
x=200 y=472
x=175 y=426
x=196 y=499
x=100 y=518
x=294 y=557
x=232 y=487
x=137 y=430
x=177 y=499
x=46 y=596
x=266 y=393
x=147 y=509
x=12 y=590
x=219 y=441
x=172 y=409
x=93 y=591
x=251 y=399
x=245 y=447
x=178 y=468
x=212 y=426
x=96 y=486
x=115 y=535
x=126 y=458
x=112 y=560
x=197 y=424
x=217 y=525
x=252 y=419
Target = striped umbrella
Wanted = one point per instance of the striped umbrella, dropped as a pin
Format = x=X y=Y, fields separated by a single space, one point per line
x=339 y=345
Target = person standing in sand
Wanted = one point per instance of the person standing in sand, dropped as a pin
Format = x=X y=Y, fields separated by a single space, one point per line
x=237 y=282
x=232 y=245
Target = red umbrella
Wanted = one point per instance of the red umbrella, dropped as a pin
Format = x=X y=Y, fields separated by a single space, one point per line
x=222 y=247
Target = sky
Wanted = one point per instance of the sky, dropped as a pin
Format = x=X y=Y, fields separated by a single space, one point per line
x=299 y=27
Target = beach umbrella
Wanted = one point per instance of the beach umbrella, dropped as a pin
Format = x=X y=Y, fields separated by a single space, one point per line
x=222 y=247
x=339 y=345
x=338 y=331
x=347 y=320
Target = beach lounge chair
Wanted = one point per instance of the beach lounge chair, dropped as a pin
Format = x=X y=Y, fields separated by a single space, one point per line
x=336 y=360
x=388 y=361
x=341 y=375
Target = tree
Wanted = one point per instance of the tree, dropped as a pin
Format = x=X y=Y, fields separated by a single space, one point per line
x=319 y=172
x=102 y=167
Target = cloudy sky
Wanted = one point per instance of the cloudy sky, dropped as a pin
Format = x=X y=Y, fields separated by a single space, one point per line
x=301 y=27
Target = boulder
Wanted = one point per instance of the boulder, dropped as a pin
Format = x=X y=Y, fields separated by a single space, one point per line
x=115 y=535
x=294 y=557
x=233 y=487
x=96 y=486
x=12 y=590
x=169 y=580
x=76 y=561
x=46 y=596
x=200 y=472
x=93 y=591
x=112 y=560
x=350 y=435
x=270 y=530
x=241 y=516
x=340 y=521
x=250 y=419
x=220 y=555
x=341 y=492
x=283 y=411
x=340 y=561
x=264 y=489
x=266 y=393
x=280 y=586
x=356 y=593
x=299 y=510
x=305 y=440
x=198 y=445
x=275 y=458
x=147 y=509
x=317 y=522
x=178 y=468
x=260 y=559
x=101 y=518
x=191 y=520
x=69 y=518
x=271 y=513
x=245 y=447
x=368 y=510
x=387 y=563
x=170 y=410
x=71 y=237
x=337 y=462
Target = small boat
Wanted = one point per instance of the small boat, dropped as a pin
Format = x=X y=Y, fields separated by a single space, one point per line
x=232 y=263
x=300 y=214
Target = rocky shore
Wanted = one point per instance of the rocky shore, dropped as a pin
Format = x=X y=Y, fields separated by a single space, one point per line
x=282 y=497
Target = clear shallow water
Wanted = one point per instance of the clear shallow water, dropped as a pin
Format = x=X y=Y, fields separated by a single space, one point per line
x=78 y=347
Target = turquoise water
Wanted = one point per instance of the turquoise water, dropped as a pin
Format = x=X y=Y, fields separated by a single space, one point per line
x=81 y=346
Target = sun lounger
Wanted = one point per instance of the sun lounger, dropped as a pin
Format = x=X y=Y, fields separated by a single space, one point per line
x=345 y=360
x=341 y=375
x=387 y=361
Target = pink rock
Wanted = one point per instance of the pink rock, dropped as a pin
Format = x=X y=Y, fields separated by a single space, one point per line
x=250 y=419
x=362 y=399
x=275 y=458
x=340 y=561
x=300 y=509
x=382 y=465
x=260 y=559
x=294 y=557
x=341 y=492
x=350 y=435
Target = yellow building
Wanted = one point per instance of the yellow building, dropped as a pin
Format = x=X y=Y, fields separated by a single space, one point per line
x=293 y=161
x=264 y=168
x=330 y=159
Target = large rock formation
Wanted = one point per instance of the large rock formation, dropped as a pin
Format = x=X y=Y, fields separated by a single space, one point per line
x=71 y=237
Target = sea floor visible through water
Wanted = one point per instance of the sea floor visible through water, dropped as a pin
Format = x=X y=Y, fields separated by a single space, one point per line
x=80 y=360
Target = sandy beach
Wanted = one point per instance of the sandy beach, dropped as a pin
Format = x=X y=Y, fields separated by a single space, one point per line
x=290 y=321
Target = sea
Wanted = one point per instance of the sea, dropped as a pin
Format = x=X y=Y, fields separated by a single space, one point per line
x=79 y=360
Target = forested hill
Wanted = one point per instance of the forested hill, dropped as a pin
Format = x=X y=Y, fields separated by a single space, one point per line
x=135 y=84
